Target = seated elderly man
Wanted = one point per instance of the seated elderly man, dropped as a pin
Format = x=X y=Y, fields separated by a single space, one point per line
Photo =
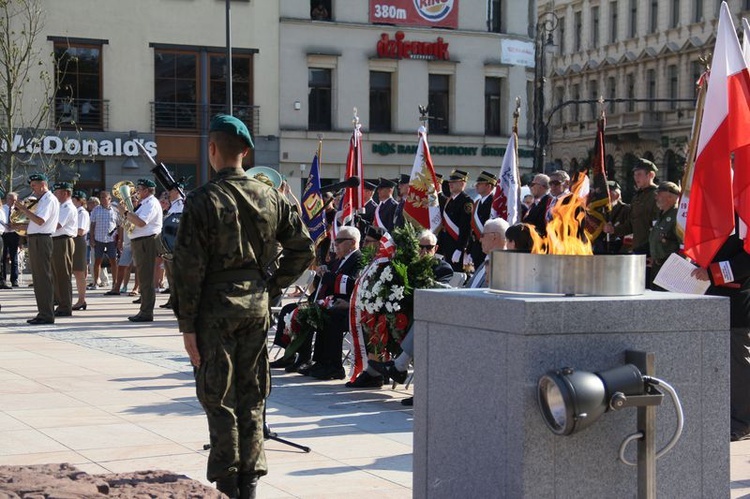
x=493 y=238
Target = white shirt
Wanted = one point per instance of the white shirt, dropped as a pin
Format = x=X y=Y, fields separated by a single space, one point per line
x=48 y=209
x=67 y=221
x=177 y=206
x=84 y=220
x=3 y=219
x=150 y=212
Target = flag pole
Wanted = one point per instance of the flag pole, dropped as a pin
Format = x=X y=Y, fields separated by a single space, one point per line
x=514 y=131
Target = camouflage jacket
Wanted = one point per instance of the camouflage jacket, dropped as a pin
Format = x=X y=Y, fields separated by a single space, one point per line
x=221 y=267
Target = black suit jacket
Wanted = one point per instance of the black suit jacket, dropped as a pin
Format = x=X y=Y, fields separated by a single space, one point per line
x=537 y=214
x=333 y=285
x=442 y=270
x=483 y=210
x=387 y=209
x=369 y=214
x=460 y=210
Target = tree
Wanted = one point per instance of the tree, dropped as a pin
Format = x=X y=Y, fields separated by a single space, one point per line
x=27 y=90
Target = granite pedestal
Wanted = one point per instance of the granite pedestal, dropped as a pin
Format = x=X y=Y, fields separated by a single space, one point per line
x=478 y=431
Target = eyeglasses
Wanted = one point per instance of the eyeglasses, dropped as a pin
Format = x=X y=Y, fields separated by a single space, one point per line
x=426 y=246
x=555 y=182
x=342 y=239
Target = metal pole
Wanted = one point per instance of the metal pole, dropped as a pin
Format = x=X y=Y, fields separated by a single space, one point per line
x=646 y=451
x=230 y=107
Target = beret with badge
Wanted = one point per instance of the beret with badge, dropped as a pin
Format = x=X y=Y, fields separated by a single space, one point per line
x=80 y=195
x=231 y=126
x=64 y=186
x=669 y=187
x=37 y=177
x=644 y=164
x=145 y=182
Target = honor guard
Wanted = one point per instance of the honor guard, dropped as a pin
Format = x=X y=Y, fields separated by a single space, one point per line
x=454 y=238
x=366 y=218
x=485 y=186
x=386 y=206
x=403 y=191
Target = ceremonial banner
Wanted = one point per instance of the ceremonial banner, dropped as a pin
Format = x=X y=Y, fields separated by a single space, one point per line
x=352 y=201
x=421 y=206
x=507 y=197
x=726 y=119
x=599 y=206
x=312 y=202
x=741 y=179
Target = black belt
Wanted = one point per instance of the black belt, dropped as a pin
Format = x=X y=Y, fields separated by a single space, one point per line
x=234 y=275
x=38 y=235
x=143 y=237
x=62 y=237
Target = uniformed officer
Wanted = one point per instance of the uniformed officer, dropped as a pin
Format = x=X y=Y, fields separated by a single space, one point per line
x=386 y=206
x=42 y=223
x=403 y=191
x=454 y=237
x=229 y=232
x=663 y=239
x=63 y=248
x=370 y=204
x=485 y=186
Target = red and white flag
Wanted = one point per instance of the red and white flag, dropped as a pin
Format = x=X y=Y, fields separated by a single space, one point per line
x=506 y=200
x=741 y=179
x=726 y=120
x=421 y=205
x=353 y=200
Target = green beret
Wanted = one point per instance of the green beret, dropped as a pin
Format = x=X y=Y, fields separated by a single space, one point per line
x=80 y=195
x=644 y=164
x=145 y=182
x=65 y=186
x=670 y=187
x=232 y=126
x=37 y=177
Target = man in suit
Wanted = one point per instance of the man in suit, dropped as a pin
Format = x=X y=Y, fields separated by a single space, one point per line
x=336 y=288
x=454 y=238
x=536 y=215
x=493 y=238
x=485 y=186
x=387 y=205
x=403 y=191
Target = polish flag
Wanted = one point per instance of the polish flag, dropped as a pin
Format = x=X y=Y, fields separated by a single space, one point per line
x=726 y=120
x=741 y=180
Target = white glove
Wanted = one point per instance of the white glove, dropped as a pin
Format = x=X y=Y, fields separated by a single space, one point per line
x=468 y=260
x=456 y=256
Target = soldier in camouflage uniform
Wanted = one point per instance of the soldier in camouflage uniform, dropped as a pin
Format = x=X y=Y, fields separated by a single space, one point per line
x=227 y=239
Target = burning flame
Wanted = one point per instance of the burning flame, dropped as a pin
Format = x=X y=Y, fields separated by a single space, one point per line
x=565 y=232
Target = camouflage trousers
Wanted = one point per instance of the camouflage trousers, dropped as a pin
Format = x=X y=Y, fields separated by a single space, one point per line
x=232 y=384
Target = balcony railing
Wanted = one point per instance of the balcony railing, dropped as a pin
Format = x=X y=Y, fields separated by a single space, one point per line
x=188 y=116
x=86 y=114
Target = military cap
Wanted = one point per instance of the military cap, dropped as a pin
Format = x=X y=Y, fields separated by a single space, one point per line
x=145 y=182
x=384 y=182
x=37 y=177
x=404 y=178
x=65 y=186
x=374 y=232
x=613 y=185
x=488 y=177
x=458 y=175
x=670 y=187
x=370 y=185
x=232 y=126
x=439 y=177
x=80 y=195
x=644 y=164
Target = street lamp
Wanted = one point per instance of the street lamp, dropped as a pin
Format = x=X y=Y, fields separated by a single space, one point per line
x=546 y=24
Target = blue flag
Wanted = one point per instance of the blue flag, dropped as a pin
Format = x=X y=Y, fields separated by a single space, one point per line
x=312 y=204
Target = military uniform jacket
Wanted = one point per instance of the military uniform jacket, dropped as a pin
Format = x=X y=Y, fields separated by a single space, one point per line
x=459 y=210
x=643 y=211
x=663 y=240
x=482 y=212
x=398 y=216
x=369 y=214
x=384 y=214
x=217 y=270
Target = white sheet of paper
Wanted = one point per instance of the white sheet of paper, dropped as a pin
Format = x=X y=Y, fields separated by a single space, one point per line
x=675 y=276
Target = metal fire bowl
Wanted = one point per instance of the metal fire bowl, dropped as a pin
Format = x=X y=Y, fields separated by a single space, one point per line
x=595 y=275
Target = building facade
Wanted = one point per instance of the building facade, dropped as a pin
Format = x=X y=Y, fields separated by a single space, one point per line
x=644 y=58
x=466 y=59
x=153 y=72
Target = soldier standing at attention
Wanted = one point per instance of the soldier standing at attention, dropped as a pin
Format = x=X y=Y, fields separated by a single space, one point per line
x=229 y=234
x=663 y=240
x=454 y=238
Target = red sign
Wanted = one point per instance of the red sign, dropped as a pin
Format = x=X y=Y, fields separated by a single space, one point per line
x=397 y=48
x=433 y=13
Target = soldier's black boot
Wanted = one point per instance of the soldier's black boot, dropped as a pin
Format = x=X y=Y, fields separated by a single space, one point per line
x=229 y=486
x=248 y=485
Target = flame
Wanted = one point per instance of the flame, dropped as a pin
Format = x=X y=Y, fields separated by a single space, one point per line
x=565 y=232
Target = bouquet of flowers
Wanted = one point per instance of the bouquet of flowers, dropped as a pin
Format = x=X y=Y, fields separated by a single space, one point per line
x=304 y=320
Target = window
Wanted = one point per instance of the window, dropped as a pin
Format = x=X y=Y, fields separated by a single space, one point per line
x=380 y=101
x=630 y=82
x=745 y=4
x=674 y=88
x=633 y=23
x=242 y=87
x=561 y=39
x=595 y=27
x=438 y=97
x=86 y=175
x=651 y=88
x=674 y=19
x=696 y=70
x=653 y=20
x=612 y=22
x=698 y=10
x=187 y=170
x=559 y=98
x=320 y=10
x=319 y=99
x=494 y=16
x=175 y=93
x=576 y=107
x=611 y=93
x=79 y=98
x=594 y=93
x=578 y=29
x=493 y=112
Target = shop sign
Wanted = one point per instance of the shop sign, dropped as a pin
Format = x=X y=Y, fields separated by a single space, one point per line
x=433 y=13
x=388 y=148
x=54 y=144
x=517 y=53
x=398 y=48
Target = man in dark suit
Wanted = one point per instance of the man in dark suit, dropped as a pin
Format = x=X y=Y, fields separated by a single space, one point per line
x=485 y=186
x=403 y=191
x=387 y=205
x=336 y=286
x=537 y=214
x=454 y=238
x=370 y=204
